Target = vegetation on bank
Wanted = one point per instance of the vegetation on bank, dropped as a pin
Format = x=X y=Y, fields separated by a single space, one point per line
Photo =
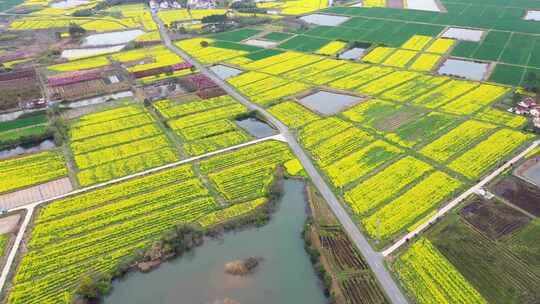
x=174 y=243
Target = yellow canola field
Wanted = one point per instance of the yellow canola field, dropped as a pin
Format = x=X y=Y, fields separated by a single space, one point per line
x=441 y=46
x=268 y=61
x=457 y=141
x=289 y=65
x=313 y=69
x=500 y=117
x=416 y=87
x=378 y=54
x=294 y=8
x=170 y=16
x=83 y=64
x=400 y=58
x=405 y=209
x=379 y=85
x=359 y=163
x=416 y=42
x=359 y=78
x=425 y=62
x=374 y=191
x=444 y=93
x=331 y=48
x=431 y=278
x=246 y=78
x=374 y=3
x=488 y=153
x=293 y=114
x=476 y=99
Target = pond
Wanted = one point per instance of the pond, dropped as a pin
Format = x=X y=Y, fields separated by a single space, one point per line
x=423 y=5
x=44 y=145
x=533 y=174
x=463 y=34
x=328 y=103
x=463 y=68
x=284 y=276
x=86 y=52
x=256 y=127
x=68 y=4
x=352 y=54
x=224 y=72
x=260 y=43
x=98 y=100
x=533 y=15
x=8 y=4
x=322 y=19
x=111 y=38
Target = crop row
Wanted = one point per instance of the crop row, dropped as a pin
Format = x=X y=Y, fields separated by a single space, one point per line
x=206 y=116
x=400 y=58
x=208 y=129
x=355 y=165
x=293 y=114
x=340 y=145
x=471 y=102
x=107 y=115
x=108 y=140
x=244 y=181
x=228 y=213
x=488 y=153
x=404 y=210
x=122 y=210
x=500 y=117
x=85 y=131
x=374 y=191
x=457 y=141
x=321 y=129
x=364 y=76
x=269 y=151
x=291 y=64
x=416 y=87
x=311 y=70
x=103 y=156
x=53 y=258
x=427 y=274
x=215 y=142
x=96 y=198
x=377 y=86
x=29 y=170
x=332 y=48
x=170 y=109
x=280 y=92
x=127 y=166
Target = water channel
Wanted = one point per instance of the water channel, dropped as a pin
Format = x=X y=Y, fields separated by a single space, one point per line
x=284 y=276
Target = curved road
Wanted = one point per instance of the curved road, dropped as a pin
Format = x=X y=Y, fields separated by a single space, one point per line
x=374 y=259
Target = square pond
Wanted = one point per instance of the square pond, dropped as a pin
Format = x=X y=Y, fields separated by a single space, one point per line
x=328 y=103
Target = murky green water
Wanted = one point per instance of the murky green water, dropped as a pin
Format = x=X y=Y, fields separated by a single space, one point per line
x=7 y=4
x=284 y=276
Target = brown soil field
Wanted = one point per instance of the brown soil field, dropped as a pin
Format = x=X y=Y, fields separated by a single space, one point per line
x=492 y=218
x=519 y=193
x=35 y=193
x=360 y=290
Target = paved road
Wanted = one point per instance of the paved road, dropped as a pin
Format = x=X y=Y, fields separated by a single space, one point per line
x=374 y=259
x=458 y=199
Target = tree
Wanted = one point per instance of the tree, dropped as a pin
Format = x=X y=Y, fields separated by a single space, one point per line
x=88 y=287
x=214 y=19
x=76 y=30
x=532 y=82
x=204 y=43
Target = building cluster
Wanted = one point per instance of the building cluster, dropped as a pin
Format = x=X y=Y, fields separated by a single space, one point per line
x=192 y=4
x=528 y=106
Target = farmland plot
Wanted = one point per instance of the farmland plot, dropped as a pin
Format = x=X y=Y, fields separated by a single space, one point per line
x=24 y=171
x=116 y=143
